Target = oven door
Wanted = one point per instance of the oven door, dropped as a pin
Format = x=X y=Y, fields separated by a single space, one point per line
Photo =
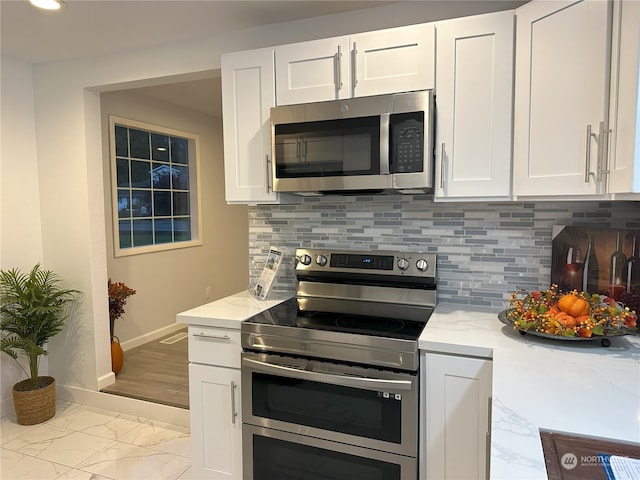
x=271 y=454
x=360 y=406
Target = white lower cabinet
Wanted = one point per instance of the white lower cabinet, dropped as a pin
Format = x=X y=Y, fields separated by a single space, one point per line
x=456 y=417
x=215 y=403
x=216 y=437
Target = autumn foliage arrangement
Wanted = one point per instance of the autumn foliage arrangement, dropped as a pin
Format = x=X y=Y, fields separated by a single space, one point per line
x=570 y=314
x=118 y=294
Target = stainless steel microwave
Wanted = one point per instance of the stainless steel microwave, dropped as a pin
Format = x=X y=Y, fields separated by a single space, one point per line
x=377 y=144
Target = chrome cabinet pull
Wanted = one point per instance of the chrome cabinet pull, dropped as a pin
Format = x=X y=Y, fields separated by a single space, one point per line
x=603 y=151
x=587 y=165
x=234 y=413
x=354 y=76
x=442 y=166
x=226 y=338
x=487 y=465
x=268 y=163
x=339 y=68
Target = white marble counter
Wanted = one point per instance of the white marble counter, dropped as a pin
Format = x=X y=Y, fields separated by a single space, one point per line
x=228 y=312
x=573 y=386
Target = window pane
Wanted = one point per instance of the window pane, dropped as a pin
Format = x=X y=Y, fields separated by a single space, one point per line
x=124 y=209
x=161 y=175
x=161 y=204
x=163 y=230
x=122 y=142
x=180 y=178
x=124 y=233
x=140 y=174
x=141 y=203
x=180 y=203
x=181 y=229
x=160 y=146
x=139 y=144
x=122 y=168
x=142 y=234
x=179 y=149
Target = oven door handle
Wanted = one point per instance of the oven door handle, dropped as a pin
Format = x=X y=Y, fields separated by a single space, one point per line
x=363 y=383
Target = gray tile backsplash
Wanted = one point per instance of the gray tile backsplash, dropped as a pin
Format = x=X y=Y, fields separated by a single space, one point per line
x=485 y=250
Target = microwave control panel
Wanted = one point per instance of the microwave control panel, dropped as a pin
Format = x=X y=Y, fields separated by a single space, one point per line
x=407 y=142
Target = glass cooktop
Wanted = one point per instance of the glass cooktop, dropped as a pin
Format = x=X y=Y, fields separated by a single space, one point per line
x=287 y=314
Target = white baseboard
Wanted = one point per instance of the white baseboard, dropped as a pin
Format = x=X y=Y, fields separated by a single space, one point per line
x=106 y=380
x=149 y=337
x=130 y=406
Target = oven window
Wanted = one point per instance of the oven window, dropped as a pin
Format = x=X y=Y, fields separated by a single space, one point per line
x=330 y=148
x=353 y=411
x=278 y=459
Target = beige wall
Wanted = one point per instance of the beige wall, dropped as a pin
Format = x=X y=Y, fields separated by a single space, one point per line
x=172 y=281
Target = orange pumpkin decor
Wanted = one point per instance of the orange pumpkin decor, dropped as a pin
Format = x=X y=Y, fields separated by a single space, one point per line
x=573 y=305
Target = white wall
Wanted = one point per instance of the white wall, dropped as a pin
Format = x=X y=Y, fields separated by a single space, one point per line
x=70 y=159
x=172 y=281
x=20 y=232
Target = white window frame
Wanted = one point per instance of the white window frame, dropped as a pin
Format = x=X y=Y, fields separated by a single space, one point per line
x=195 y=210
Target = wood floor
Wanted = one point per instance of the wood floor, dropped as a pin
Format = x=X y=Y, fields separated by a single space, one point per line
x=155 y=372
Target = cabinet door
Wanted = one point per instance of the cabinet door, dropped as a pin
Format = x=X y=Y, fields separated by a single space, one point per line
x=393 y=60
x=474 y=95
x=313 y=71
x=457 y=394
x=560 y=93
x=216 y=423
x=624 y=163
x=247 y=97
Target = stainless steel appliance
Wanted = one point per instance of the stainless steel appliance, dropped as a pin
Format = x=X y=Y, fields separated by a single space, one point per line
x=371 y=144
x=330 y=378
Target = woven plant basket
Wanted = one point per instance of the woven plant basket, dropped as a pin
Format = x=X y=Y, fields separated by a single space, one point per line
x=35 y=406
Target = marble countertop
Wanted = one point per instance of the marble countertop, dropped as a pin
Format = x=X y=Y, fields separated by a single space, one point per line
x=228 y=312
x=572 y=386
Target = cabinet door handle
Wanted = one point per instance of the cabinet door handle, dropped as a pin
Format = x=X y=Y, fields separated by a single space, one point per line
x=354 y=77
x=442 y=166
x=587 y=164
x=487 y=465
x=234 y=413
x=603 y=151
x=339 y=68
x=226 y=338
x=268 y=163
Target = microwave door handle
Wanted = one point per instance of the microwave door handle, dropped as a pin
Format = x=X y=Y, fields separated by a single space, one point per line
x=384 y=144
x=344 y=380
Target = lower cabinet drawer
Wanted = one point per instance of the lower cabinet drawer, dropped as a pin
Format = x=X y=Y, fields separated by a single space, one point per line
x=214 y=346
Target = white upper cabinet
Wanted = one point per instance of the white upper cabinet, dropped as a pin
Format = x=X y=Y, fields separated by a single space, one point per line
x=474 y=95
x=561 y=96
x=624 y=162
x=373 y=63
x=393 y=60
x=248 y=93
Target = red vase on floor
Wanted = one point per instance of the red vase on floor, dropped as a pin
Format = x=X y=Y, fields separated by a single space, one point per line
x=117 y=355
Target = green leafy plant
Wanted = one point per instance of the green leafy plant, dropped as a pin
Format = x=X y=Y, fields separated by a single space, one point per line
x=33 y=308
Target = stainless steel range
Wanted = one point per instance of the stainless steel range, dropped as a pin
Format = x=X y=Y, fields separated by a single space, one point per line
x=330 y=378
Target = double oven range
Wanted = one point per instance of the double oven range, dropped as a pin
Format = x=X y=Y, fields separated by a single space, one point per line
x=330 y=378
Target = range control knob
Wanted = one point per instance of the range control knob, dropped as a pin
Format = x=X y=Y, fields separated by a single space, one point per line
x=321 y=260
x=403 y=263
x=305 y=259
x=422 y=265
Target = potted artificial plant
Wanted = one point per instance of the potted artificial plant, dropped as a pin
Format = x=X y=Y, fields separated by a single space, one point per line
x=33 y=308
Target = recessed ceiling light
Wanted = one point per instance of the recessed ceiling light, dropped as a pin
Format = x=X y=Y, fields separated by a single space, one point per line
x=47 y=4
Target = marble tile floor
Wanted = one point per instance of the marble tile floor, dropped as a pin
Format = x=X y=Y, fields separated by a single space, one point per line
x=82 y=443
